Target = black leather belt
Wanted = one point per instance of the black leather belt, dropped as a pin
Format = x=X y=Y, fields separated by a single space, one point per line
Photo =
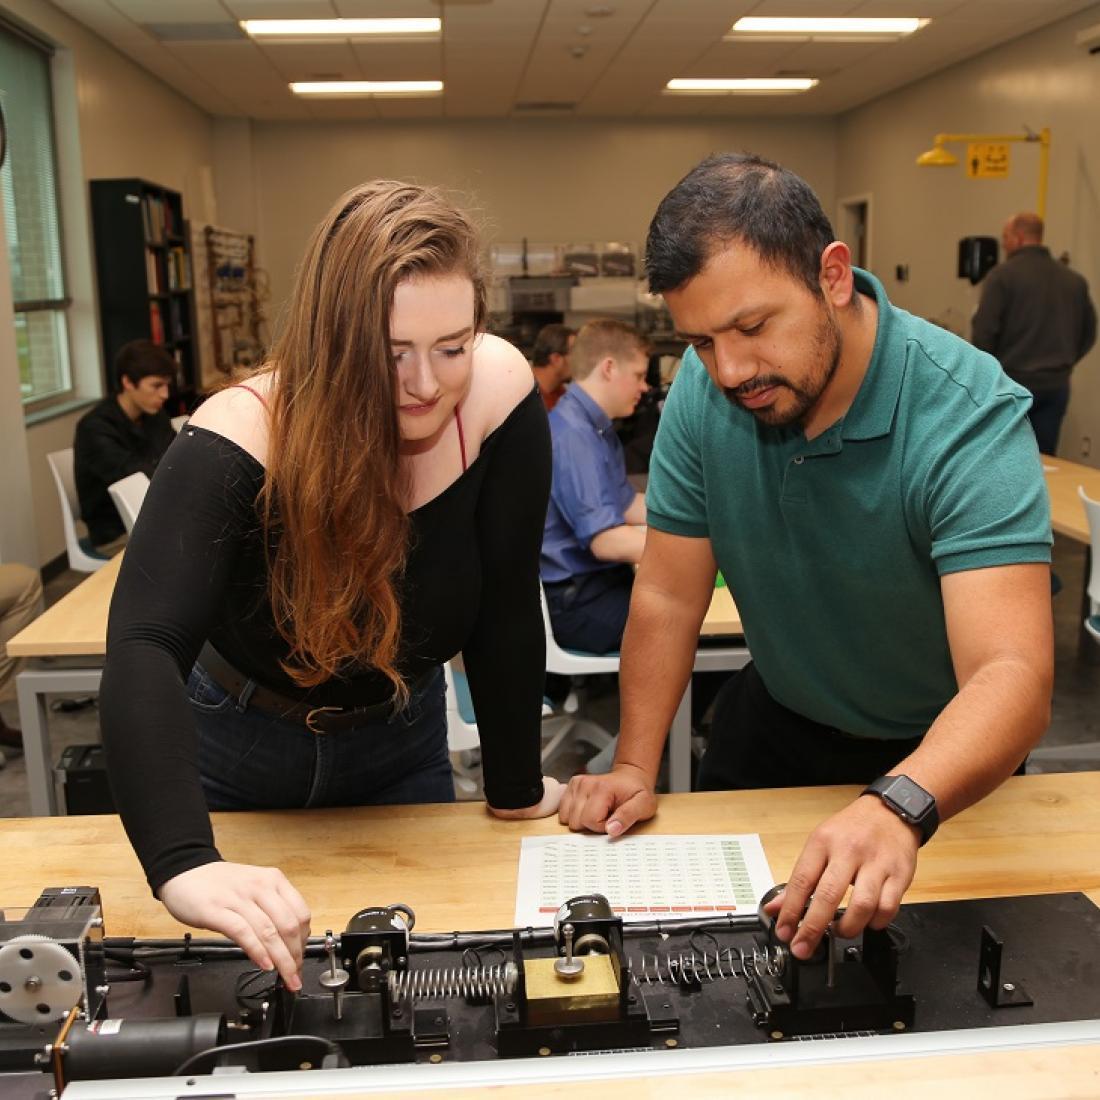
x=317 y=719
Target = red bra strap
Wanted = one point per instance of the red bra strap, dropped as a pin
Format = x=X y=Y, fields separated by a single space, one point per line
x=461 y=438
x=241 y=386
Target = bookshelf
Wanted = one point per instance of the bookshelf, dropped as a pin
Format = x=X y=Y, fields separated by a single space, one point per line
x=143 y=266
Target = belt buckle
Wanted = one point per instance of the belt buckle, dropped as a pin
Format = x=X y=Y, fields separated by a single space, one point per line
x=319 y=710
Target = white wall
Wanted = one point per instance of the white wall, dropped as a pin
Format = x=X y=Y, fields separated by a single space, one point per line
x=114 y=119
x=544 y=180
x=919 y=214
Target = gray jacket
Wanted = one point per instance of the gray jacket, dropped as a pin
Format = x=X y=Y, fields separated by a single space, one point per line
x=1035 y=316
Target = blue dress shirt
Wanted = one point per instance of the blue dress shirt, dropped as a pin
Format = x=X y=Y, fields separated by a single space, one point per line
x=589 y=492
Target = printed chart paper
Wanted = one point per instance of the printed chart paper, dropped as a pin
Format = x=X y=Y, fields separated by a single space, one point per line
x=643 y=877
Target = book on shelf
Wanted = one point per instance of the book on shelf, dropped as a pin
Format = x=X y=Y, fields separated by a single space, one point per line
x=156 y=323
x=179 y=269
x=159 y=219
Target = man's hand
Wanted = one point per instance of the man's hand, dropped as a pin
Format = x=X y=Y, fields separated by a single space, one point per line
x=608 y=803
x=552 y=792
x=256 y=907
x=866 y=846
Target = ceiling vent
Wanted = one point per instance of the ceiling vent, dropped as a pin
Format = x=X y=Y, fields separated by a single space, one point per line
x=544 y=106
x=195 y=32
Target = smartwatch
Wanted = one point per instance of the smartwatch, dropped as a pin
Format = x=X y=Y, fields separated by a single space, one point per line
x=910 y=801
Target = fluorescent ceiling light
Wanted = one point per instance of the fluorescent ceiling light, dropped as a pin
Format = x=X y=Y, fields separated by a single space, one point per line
x=746 y=86
x=346 y=89
x=339 y=28
x=824 y=29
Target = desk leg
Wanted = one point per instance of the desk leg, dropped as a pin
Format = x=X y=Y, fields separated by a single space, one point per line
x=31 y=687
x=679 y=746
x=723 y=659
x=36 y=744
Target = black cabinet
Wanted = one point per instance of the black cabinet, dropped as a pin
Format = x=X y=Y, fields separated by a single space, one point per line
x=143 y=267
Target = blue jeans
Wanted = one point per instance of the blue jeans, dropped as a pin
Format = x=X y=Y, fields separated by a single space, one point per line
x=251 y=760
x=1048 y=407
x=588 y=612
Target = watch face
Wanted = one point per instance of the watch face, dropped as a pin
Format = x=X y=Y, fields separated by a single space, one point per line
x=908 y=797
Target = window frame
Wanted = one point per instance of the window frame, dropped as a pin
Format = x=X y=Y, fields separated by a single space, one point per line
x=37 y=406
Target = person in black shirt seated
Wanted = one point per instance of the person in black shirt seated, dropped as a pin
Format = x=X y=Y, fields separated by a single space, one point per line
x=124 y=434
x=319 y=540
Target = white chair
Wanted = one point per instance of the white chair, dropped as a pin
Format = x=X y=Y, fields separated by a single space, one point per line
x=567 y=662
x=1092 y=510
x=462 y=734
x=127 y=495
x=83 y=557
x=1055 y=758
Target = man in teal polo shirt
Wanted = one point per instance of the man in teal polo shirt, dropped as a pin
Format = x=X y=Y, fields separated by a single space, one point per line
x=871 y=490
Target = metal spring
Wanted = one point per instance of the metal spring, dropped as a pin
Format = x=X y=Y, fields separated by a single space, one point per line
x=456 y=981
x=686 y=968
x=768 y=962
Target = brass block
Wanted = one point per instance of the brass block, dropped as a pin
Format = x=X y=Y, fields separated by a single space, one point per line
x=593 y=996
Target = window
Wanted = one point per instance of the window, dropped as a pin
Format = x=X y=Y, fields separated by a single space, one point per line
x=28 y=182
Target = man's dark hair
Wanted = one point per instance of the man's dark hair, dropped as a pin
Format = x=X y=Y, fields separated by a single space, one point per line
x=551 y=340
x=140 y=358
x=737 y=197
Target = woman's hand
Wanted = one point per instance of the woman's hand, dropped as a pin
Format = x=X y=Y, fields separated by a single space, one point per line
x=256 y=907
x=552 y=791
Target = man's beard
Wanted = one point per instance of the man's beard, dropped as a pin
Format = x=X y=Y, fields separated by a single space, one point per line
x=829 y=343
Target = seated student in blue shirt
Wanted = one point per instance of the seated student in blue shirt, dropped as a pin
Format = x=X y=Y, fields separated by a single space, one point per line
x=594 y=534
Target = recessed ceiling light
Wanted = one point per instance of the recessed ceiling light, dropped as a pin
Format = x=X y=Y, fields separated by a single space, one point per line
x=348 y=89
x=340 y=28
x=788 y=85
x=824 y=28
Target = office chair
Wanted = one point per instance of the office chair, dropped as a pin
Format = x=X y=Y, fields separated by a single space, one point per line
x=572 y=663
x=127 y=495
x=1054 y=758
x=462 y=734
x=83 y=557
x=1092 y=510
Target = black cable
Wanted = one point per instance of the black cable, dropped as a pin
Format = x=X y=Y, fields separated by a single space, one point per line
x=216 y=1055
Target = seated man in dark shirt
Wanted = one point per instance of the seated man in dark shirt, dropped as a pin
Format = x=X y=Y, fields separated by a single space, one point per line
x=594 y=531
x=125 y=433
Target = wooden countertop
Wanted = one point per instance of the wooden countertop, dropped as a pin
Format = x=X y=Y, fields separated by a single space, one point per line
x=456 y=867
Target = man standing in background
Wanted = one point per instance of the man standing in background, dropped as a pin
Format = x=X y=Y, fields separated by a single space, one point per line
x=550 y=362
x=1035 y=316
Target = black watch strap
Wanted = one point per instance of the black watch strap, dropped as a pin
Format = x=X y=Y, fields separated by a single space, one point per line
x=910 y=801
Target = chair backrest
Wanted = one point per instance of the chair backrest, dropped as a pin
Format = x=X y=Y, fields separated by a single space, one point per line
x=566 y=662
x=127 y=494
x=461 y=723
x=1092 y=510
x=81 y=557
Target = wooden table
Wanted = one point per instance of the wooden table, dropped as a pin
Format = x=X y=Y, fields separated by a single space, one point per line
x=722 y=618
x=1036 y=834
x=1069 y=518
x=1067 y=512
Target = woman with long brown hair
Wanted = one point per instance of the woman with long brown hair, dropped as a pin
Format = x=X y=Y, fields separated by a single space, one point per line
x=316 y=543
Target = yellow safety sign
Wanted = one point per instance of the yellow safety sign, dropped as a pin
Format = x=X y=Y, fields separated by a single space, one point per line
x=987 y=160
